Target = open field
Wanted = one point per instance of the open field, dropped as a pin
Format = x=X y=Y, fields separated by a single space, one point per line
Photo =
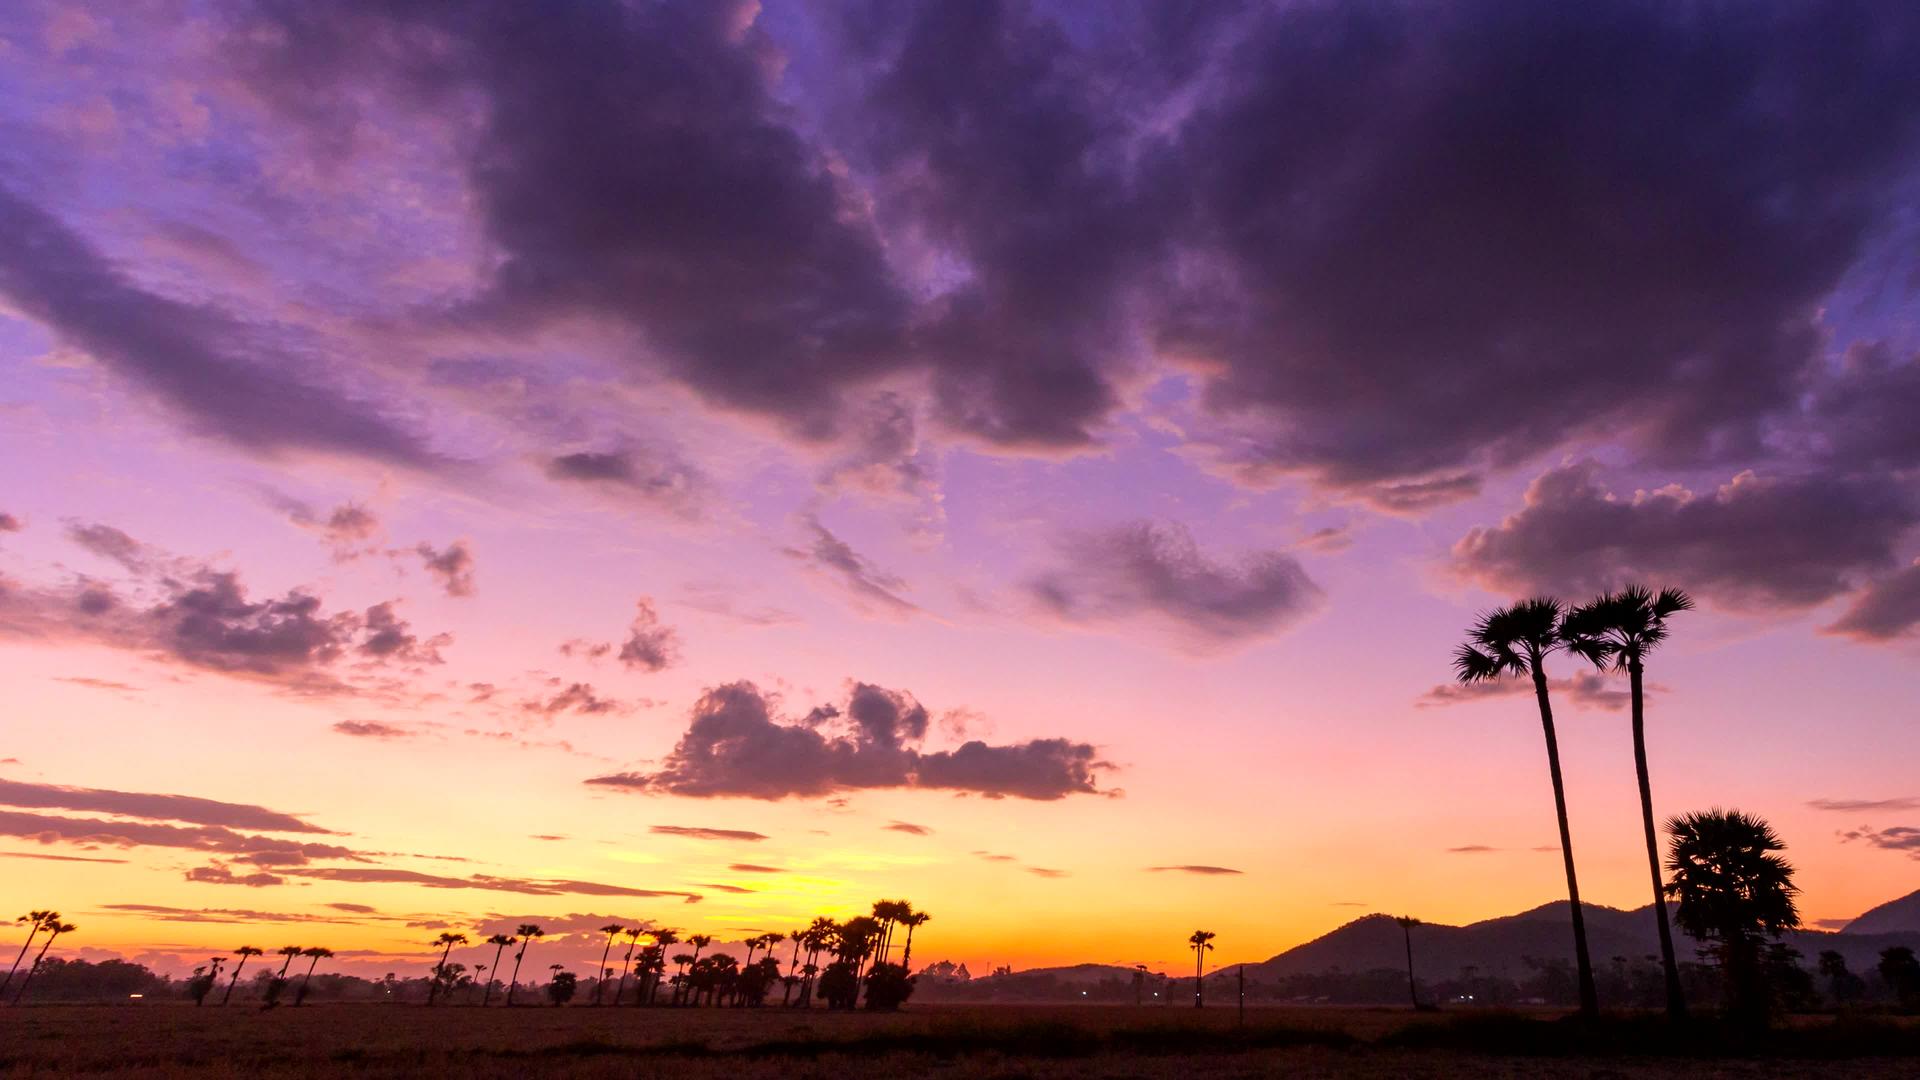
x=957 y=1041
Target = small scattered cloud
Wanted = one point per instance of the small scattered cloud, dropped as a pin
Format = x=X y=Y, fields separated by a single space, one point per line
x=873 y=590
x=1589 y=689
x=1045 y=872
x=153 y=807
x=696 y=832
x=1857 y=806
x=909 y=828
x=452 y=566
x=654 y=477
x=755 y=868
x=373 y=729
x=1886 y=610
x=1194 y=868
x=1899 y=838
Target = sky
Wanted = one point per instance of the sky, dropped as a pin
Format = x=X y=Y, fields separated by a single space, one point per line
x=711 y=465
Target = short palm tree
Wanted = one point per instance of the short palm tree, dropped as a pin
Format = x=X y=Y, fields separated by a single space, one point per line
x=1617 y=630
x=1733 y=889
x=54 y=928
x=527 y=931
x=1516 y=641
x=612 y=930
x=35 y=921
x=316 y=954
x=1407 y=923
x=242 y=952
x=1201 y=942
x=447 y=940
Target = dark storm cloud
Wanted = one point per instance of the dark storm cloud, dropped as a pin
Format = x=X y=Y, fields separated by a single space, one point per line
x=695 y=832
x=1158 y=571
x=452 y=566
x=1886 y=609
x=1202 y=870
x=735 y=746
x=699 y=219
x=996 y=142
x=186 y=808
x=1435 y=238
x=656 y=477
x=224 y=376
x=871 y=588
x=1756 y=542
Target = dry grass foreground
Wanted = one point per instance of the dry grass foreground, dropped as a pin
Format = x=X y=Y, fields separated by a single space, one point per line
x=163 y=1040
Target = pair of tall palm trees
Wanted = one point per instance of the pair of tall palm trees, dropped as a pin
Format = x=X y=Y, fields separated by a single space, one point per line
x=1201 y=942
x=36 y=922
x=1614 y=631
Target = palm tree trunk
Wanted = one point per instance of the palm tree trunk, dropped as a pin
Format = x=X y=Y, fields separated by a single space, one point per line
x=1583 y=962
x=32 y=931
x=602 y=983
x=1676 y=1001
x=224 y=998
x=493 y=975
x=439 y=973
x=301 y=997
x=1199 y=987
x=906 y=955
x=37 y=957
x=515 y=983
x=1412 y=994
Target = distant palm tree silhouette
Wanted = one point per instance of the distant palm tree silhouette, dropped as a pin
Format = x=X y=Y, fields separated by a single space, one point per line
x=1407 y=923
x=447 y=940
x=913 y=920
x=793 y=965
x=1617 y=630
x=1201 y=942
x=54 y=928
x=612 y=930
x=698 y=941
x=316 y=954
x=527 y=931
x=626 y=964
x=242 y=952
x=499 y=943
x=1516 y=640
x=1733 y=890
x=35 y=920
x=663 y=940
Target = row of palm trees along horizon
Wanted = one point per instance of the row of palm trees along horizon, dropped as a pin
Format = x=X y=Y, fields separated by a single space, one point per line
x=856 y=950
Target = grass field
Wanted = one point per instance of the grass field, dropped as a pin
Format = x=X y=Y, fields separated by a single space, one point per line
x=958 y=1041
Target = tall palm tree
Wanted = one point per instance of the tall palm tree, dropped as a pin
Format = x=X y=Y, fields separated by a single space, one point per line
x=793 y=965
x=447 y=940
x=663 y=940
x=242 y=952
x=1407 y=923
x=527 y=931
x=912 y=920
x=626 y=965
x=612 y=930
x=1516 y=641
x=499 y=943
x=1733 y=890
x=318 y=954
x=289 y=951
x=1618 y=630
x=54 y=928
x=35 y=920
x=1201 y=942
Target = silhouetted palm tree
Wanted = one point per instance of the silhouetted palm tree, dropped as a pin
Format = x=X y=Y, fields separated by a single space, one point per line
x=318 y=954
x=527 y=931
x=1201 y=942
x=626 y=964
x=793 y=965
x=912 y=920
x=447 y=940
x=242 y=952
x=1407 y=923
x=54 y=928
x=499 y=943
x=34 y=920
x=1618 y=630
x=1733 y=890
x=663 y=940
x=698 y=941
x=1516 y=641
x=612 y=930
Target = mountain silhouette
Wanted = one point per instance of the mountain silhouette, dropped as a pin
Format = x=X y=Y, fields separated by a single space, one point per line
x=1900 y=916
